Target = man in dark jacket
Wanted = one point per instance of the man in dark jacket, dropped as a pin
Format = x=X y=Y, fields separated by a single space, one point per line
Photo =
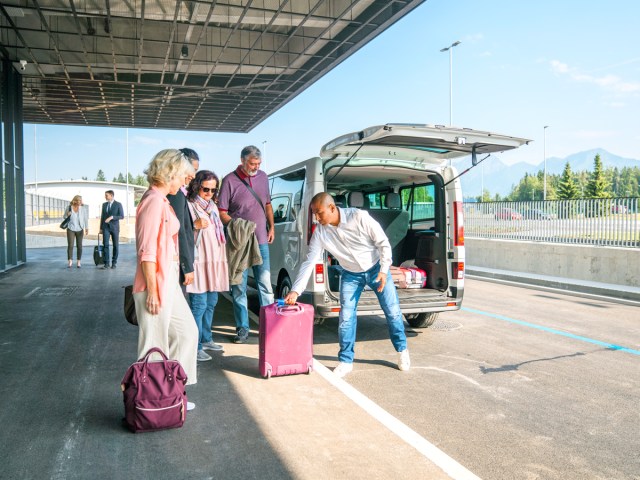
x=185 y=236
x=112 y=213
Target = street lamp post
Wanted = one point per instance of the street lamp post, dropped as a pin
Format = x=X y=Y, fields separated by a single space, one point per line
x=450 y=49
x=264 y=155
x=544 y=153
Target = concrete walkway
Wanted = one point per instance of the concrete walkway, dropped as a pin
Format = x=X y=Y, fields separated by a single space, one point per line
x=64 y=349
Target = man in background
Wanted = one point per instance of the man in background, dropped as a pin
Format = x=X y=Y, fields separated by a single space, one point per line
x=112 y=213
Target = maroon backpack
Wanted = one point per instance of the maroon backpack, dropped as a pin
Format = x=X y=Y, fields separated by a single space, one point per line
x=154 y=394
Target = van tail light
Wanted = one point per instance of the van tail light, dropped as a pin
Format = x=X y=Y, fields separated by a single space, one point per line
x=311 y=225
x=319 y=273
x=458 y=224
x=458 y=270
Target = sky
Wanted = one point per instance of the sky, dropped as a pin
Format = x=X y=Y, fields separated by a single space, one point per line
x=571 y=65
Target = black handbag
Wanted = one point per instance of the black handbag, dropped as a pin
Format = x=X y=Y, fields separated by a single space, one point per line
x=65 y=223
x=130 y=306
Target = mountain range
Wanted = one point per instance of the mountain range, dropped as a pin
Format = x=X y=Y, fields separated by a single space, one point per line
x=498 y=177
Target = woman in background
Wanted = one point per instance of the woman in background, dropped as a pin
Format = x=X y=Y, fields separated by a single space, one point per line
x=164 y=317
x=77 y=228
x=211 y=272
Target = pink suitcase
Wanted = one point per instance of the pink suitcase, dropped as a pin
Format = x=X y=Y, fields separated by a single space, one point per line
x=286 y=339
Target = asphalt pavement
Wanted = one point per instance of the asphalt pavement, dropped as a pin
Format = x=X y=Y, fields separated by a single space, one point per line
x=66 y=345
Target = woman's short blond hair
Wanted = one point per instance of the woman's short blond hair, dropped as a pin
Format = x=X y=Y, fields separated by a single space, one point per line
x=76 y=200
x=166 y=165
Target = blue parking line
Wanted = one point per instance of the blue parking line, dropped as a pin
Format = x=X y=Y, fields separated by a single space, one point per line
x=610 y=346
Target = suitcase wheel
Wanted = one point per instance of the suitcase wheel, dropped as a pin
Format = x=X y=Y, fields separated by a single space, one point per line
x=268 y=375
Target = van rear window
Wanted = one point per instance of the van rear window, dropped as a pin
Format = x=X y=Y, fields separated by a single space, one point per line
x=419 y=201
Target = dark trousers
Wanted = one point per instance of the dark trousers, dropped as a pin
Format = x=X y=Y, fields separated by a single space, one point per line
x=106 y=234
x=77 y=236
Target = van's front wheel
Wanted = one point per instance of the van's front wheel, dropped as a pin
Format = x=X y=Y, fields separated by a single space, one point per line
x=284 y=287
x=421 y=320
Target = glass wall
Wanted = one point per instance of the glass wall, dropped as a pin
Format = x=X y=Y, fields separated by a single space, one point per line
x=12 y=214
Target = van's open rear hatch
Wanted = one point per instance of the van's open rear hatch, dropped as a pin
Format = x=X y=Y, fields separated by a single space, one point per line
x=425 y=144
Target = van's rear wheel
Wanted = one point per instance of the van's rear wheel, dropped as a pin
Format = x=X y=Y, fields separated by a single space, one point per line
x=421 y=320
x=284 y=287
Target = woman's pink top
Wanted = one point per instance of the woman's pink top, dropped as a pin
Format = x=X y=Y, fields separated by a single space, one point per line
x=156 y=238
x=210 y=268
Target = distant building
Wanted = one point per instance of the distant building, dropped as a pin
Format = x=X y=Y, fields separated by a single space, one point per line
x=92 y=193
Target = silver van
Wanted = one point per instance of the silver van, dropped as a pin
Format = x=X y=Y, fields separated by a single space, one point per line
x=402 y=175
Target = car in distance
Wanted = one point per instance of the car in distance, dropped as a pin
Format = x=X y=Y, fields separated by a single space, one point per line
x=508 y=214
x=537 y=214
x=618 y=208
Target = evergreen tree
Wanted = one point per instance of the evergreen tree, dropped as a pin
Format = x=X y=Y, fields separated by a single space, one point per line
x=141 y=180
x=121 y=178
x=597 y=186
x=567 y=188
x=529 y=188
x=100 y=176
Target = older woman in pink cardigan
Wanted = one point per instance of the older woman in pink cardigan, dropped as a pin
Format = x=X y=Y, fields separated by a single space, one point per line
x=164 y=316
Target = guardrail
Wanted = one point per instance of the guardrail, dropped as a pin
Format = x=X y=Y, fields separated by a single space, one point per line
x=41 y=210
x=609 y=222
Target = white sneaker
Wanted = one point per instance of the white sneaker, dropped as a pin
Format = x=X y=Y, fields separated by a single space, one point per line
x=343 y=369
x=203 y=356
x=190 y=406
x=404 y=362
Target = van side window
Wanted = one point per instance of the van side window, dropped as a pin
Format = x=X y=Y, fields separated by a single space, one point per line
x=286 y=195
x=376 y=200
x=281 y=208
x=419 y=201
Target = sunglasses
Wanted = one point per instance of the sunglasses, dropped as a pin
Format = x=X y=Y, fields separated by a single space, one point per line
x=207 y=190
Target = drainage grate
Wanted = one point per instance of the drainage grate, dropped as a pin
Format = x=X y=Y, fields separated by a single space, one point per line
x=51 y=292
x=445 y=326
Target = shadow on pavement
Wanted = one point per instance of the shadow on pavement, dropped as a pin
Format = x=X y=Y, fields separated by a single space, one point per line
x=64 y=349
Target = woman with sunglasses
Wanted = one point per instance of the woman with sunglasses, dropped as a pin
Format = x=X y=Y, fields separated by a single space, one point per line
x=211 y=272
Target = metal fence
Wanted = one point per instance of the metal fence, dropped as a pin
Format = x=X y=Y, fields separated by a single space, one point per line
x=611 y=222
x=40 y=210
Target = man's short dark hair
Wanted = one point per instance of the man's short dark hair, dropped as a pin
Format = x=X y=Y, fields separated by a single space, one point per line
x=190 y=154
x=111 y=192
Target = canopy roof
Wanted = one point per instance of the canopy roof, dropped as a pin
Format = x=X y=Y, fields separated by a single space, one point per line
x=197 y=65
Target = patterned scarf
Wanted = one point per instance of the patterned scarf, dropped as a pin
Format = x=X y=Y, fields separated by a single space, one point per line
x=210 y=208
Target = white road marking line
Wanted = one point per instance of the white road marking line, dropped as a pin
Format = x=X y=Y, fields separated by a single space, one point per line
x=430 y=451
x=32 y=292
x=410 y=436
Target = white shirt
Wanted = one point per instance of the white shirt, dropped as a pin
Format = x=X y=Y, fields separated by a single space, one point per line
x=358 y=243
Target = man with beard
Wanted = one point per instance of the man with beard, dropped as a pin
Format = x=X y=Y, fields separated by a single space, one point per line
x=245 y=195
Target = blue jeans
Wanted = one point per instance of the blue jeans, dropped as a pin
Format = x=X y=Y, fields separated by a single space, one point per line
x=262 y=275
x=351 y=287
x=202 y=306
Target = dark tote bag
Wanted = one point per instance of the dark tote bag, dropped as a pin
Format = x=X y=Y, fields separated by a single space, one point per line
x=130 y=306
x=65 y=223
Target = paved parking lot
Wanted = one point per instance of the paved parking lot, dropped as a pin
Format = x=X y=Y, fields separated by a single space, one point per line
x=65 y=347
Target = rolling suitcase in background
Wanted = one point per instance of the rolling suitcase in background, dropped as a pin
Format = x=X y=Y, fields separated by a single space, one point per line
x=286 y=339
x=98 y=253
